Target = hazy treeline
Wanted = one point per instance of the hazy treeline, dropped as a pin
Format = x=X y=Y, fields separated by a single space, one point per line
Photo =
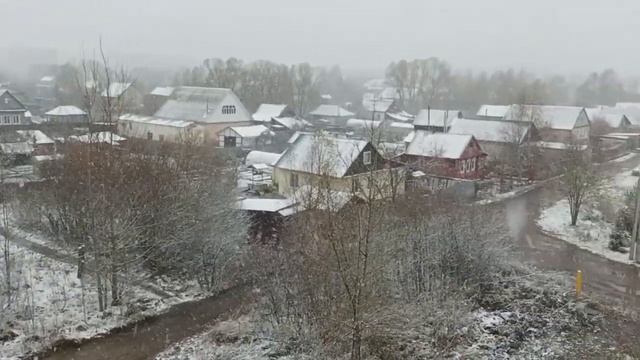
x=433 y=82
x=426 y=82
x=300 y=86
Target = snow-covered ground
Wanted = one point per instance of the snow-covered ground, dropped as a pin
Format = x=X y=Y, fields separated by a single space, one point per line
x=230 y=339
x=49 y=304
x=591 y=232
x=593 y=228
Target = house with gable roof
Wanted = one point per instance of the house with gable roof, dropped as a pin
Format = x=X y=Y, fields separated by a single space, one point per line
x=212 y=109
x=495 y=136
x=156 y=129
x=449 y=155
x=12 y=111
x=563 y=124
x=347 y=166
x=330 y=117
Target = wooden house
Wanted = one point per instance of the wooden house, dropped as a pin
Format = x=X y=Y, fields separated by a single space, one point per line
x=449 y=155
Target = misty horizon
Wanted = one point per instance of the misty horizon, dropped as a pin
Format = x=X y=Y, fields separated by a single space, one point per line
x=577 y=38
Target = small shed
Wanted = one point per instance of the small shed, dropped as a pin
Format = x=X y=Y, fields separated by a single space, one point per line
x=66 y=114
x=248 y=137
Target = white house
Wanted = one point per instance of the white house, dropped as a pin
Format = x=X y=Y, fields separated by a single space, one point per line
x=213 y=109
x=152 y=128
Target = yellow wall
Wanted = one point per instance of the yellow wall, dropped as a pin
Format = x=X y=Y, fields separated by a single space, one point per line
x=382 y=178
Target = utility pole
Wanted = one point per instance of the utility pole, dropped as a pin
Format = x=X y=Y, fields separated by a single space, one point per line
x=633 y=250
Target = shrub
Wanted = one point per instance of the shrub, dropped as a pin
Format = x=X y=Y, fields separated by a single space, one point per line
x=619 y=240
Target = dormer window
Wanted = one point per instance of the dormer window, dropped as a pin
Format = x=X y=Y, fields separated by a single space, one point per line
x=366 y=157
x=228 y=109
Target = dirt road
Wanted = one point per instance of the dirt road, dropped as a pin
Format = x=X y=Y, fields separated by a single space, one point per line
x=149 y=337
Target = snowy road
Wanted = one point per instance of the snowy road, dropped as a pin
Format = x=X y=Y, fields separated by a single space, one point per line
x=614 y=282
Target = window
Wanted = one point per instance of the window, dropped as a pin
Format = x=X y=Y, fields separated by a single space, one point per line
x=293 y=180
x=228 y=109
x=16 y=119
x=473 y=164
x=366 y=157
x=161 y=137
x=149 y=135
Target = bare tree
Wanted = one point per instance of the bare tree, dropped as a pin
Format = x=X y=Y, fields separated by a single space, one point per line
x=580 y=180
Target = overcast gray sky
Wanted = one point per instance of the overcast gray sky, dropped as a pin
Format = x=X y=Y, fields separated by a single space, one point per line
x=546 y=36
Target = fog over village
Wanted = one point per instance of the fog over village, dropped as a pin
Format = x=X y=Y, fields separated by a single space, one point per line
x=259 y=180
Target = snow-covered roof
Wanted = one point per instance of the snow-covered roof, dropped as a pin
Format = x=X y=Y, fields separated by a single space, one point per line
x=65 y=110
x=156 y=121
x=320 y=154
x=16 y=148
x=493 y=110
x=266 y=205
x=611 y=116
x=116 y=89
x=331 y=111
x=266 y=112
x=401 y=116
x=401 y=125
x=162 y=91
x=36 y=136
x=552 y=116
x=291 y=123
x=251 y=131
x=199 y=104
x=261 y=157
x=614 y=120
x=448 y=146
x=363 y=124
x=47 y=78
x=433 y=117
x=391 y=149
x=490 y=130
x=106 y=137
x=326 y=97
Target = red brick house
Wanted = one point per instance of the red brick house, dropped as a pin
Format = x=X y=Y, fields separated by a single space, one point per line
x=449 y=155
